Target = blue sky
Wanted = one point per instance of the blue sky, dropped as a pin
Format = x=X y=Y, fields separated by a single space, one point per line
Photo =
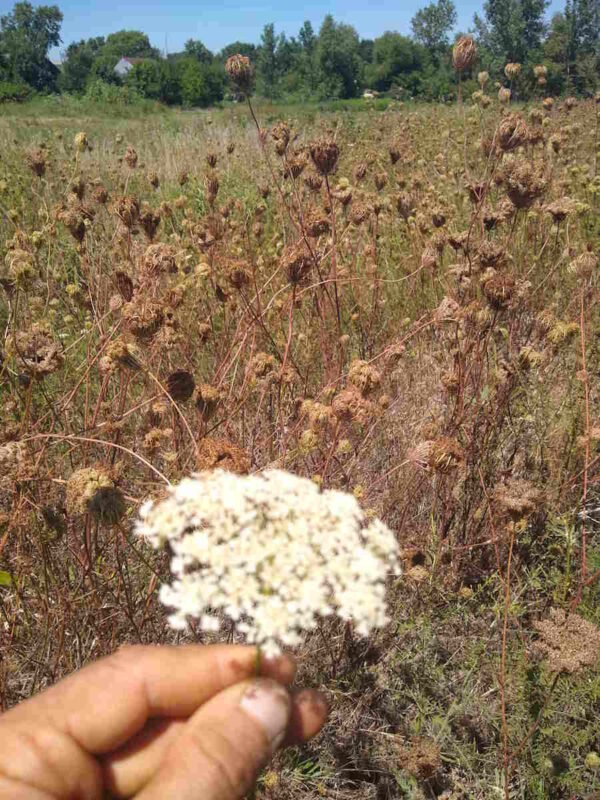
x=219 y=22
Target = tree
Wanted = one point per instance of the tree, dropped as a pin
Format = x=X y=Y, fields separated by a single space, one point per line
x=133 y=44
x=267 y=61
x=26 y=36
x=243 y=48
x=432 y=24
x=512 y=29
x=395 y=57
x=195 y=49
x=338 y=60
x=77 y=64
x=201 y=84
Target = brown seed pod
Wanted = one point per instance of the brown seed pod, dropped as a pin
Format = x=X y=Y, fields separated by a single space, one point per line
x=297 y=261
x=324 y=153
x=124 y=285
x=406 y=205
x=222 y=454
x=100 y=195
x=316 y=223
x=153 y=180
x=159 y=259
x=181 y=385
x=92 y=491
x=131 y=157
x=464 y=53
x=127 y=209
x=239 y=273
x=512 y=71
x=394 y=152
x=512 y=132
x=499 y=289
x=150 y=220
x=207 y=398
x=36 y=161
x=239 y=70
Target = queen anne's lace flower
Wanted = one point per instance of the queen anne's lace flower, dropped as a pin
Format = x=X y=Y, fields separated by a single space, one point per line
x=270 y=552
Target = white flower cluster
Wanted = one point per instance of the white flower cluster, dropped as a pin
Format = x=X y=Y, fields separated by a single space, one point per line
x=272 y=553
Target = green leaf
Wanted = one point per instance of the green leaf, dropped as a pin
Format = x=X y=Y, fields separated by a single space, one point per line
x=5 y=579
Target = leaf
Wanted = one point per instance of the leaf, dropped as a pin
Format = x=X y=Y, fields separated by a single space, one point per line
x=5 y=579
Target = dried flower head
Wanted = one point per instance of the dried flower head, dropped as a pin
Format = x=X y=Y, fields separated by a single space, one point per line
x=272 y=554
x=512 y=132
x=37 y=351
x=239 y=70
x=504 y=95
x=482 y=79
x=131 y=157
x=81 y=141
x=222 y=454
x=324 y=153
x=464 y=53
x=570 y=643
x=36 y=161
x=364 y=376
x=92 y=490
x=181 y=385
x=512 y=71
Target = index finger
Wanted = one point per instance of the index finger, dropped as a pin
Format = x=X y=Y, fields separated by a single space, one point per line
x=106 y=703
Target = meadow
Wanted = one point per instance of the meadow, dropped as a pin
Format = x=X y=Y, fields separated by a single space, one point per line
x=396 y=300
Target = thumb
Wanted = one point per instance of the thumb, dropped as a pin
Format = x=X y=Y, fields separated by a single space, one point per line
x=224 y=745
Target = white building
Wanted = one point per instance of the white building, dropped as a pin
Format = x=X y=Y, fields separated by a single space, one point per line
x=124 y=66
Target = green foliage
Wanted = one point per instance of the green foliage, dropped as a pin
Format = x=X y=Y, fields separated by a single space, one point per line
x=77 y=64
x=26 y=35
x=432 y=24
x=201 y=84
x=14 y=92
x=195 y=49
x=397 y=60
x=338 y=60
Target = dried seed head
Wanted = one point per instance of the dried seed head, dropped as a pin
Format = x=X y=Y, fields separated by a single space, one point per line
x=222 y=454
x=150 y=220
x=36 y=161
x=296 y=259
x=92 y=490
x=207 y=399
x=482 y=79
x=81 y=141
x=160 y=259
x=36 y=351
x=540 y=71
x=181 y=385
x=127 y=209
x=131 y=157
x=504 y=95
x=524 y=182
x=512 y=71
x=120 y=355
x=570 y=643
x=350 y=406
x=512 y=132
x=518 y=498
x=316 y=223
x=464 y=53
x=324 y=153
x=124 y=285
x=364 y=376
x=499 y=288
x=239 y=70
x=238 y=273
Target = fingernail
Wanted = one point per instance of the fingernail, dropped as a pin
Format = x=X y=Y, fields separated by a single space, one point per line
x=268 y=703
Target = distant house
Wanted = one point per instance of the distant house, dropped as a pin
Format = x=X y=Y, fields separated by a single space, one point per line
x=125 y=65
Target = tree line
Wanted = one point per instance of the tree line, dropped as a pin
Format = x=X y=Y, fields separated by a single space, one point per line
x=333 y=62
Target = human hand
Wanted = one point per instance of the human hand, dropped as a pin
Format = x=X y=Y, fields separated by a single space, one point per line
x=154 y=723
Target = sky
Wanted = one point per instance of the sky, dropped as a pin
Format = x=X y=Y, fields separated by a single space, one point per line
x=220 y=22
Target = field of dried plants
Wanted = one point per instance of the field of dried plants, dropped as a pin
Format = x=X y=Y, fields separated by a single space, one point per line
x=400 y=302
